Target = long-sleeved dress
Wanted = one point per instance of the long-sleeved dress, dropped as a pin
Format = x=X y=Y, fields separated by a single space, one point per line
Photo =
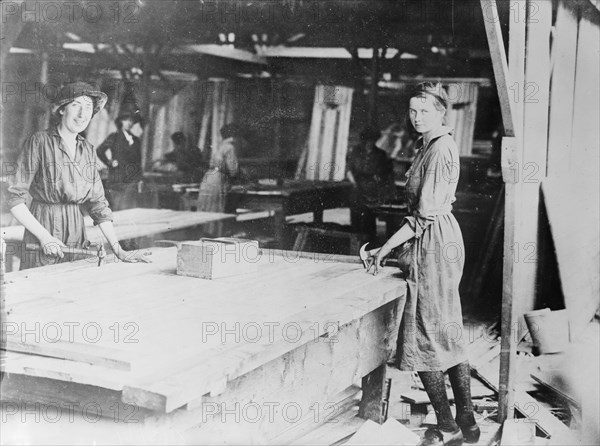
x=122 y=182
x=60 y=188
x=216 y=182
x=431 y=333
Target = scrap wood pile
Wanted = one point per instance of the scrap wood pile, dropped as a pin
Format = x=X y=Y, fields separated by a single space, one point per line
x=542 y=416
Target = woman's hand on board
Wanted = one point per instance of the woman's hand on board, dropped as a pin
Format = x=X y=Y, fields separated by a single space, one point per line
x=134 y=256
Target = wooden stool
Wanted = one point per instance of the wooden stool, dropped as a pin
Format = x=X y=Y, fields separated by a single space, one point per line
x=304 y=232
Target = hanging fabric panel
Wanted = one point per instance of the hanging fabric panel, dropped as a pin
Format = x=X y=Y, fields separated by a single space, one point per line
x=328 y=138
x=462 y=113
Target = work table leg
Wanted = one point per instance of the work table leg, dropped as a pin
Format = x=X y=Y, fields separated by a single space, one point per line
x=371 y=403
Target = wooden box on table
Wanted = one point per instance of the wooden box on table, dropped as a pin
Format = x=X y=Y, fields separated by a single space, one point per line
x=218 y=257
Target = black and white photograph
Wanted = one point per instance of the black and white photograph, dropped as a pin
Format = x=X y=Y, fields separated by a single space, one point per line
x=300 y=222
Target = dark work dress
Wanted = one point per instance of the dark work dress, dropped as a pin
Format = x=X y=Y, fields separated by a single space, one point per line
x=60 y=188
x=122 y=182
x=431 y=335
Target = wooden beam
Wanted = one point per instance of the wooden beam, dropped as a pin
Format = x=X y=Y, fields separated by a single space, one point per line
x=372 y=110
x=564 y=54
x=498 y=54
x=577 y=252
x=512 y=120
x=526 y=155
x=11 y=28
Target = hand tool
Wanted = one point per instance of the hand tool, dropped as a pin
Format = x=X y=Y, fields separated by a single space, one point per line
x=367 y=256
x=86 y=251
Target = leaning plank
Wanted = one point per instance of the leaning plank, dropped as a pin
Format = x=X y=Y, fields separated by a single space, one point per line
x=564 y=53
x=498 y=54
x=528 y=407
x=581 y=288
x=547 y=422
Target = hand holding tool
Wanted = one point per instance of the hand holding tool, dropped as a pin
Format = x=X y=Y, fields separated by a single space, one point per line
x=367 y=256
x=98 y=247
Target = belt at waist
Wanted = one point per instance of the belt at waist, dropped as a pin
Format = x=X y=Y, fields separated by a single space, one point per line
x=445 y=210
x=47 y=203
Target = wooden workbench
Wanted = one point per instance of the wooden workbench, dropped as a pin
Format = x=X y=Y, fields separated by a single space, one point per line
x=184 y=359
x=291 y=197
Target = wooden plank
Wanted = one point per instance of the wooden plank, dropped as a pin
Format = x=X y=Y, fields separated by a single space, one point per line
x=312 y=158
x=564 y=54
x=500 y=66
x=522 y=199
x=329 y=129
x=511 y=158
x=581 y=288
x=371 y=404
x=138 y=222
x=341 y=149
x=316 y=293
x=530 y=408
x=86 y=353
x=63 y=370
x=12 y=24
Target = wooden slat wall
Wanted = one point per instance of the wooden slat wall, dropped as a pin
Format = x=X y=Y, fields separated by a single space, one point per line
x=572 y=188
x=550 y=108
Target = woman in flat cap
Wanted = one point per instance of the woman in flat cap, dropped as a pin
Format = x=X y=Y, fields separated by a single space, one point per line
x=57 y=168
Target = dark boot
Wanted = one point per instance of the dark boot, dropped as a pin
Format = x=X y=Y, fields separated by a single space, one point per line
x=460 y=379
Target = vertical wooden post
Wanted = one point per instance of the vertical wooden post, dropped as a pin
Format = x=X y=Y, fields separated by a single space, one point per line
x=45 y=118
x=372 y=111
x=510 y=152
x=511 y=161
x=524 y=166
x=3 y=313
x=11 y=28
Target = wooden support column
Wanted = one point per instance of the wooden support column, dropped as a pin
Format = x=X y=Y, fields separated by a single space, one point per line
x=372 y=111
x=11 y=28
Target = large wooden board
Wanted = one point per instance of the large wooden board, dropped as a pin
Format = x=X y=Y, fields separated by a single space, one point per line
x=182 y=337
x=138 y=222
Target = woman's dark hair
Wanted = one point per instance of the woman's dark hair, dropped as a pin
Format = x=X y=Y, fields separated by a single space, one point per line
x=56 y=117
x=178 y=138
x=229 y=130
x=434 y=89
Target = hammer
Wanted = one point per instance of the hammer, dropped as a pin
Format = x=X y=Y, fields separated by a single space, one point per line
x=86 y=251
x=367 y=255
